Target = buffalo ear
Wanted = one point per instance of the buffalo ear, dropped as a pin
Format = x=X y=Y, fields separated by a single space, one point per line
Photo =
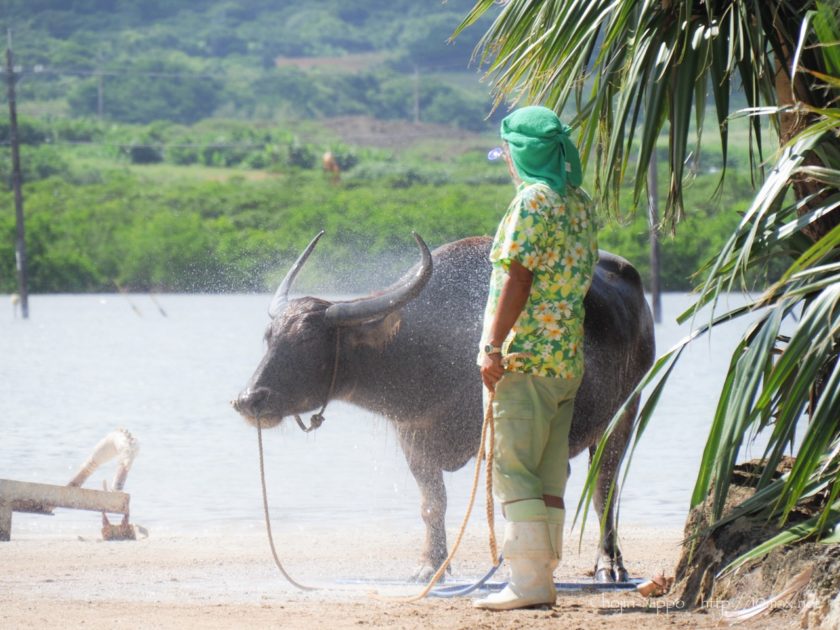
x=376 y=334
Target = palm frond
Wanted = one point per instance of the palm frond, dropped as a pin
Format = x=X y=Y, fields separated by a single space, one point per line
x=784 y=375
x=632 y=67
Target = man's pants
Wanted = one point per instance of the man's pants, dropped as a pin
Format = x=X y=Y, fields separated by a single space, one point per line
x=532 y=416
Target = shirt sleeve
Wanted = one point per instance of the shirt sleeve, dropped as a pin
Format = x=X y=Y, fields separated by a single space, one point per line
x=522 y=233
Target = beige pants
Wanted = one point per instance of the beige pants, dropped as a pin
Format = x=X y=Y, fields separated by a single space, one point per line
x=532 y=416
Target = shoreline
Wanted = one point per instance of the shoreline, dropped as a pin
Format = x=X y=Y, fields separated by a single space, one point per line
x=231 y=581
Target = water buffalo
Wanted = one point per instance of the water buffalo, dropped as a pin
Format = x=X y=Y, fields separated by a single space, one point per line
x=409 y=354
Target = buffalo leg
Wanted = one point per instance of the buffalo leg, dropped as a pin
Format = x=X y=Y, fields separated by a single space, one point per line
x=429 y=478
x=609 y=565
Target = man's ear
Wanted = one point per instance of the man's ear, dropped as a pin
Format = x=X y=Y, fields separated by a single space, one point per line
x=376 y=334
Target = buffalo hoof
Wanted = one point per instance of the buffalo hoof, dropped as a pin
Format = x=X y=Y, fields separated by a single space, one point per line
x=621 y=574
x=611 y=574
x=426 y=572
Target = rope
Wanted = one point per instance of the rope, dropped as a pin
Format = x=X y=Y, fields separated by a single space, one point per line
x=268 y=519
x=488 y=480
x=316 y=421
x=482 y=452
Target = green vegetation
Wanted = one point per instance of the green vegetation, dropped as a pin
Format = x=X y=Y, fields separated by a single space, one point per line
x=203 y=171
x=222 y=236
x=185 y=60
x=226 y=205
x=222 y=205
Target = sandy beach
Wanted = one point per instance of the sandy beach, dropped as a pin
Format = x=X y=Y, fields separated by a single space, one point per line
x=229 y=581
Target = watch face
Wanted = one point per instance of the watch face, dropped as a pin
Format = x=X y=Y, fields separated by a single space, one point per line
x=490 y=349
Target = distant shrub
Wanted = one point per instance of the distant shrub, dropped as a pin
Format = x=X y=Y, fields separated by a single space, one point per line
x=30 y=131
x=302 y=156
x=36 y=163
x=398 y=175
x=268 y=157
x=143 y=153
x=345 y=158
x=184 y=155
x=78 y=129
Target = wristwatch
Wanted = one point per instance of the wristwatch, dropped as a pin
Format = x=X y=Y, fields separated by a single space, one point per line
x=491 y=349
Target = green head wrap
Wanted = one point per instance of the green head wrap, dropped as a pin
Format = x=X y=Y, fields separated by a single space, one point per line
x=541 y=149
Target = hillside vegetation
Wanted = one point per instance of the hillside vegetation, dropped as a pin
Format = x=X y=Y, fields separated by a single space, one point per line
x=176 y=146
x=184 y=60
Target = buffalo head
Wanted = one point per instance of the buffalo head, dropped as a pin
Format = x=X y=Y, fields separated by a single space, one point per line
x=304 y=335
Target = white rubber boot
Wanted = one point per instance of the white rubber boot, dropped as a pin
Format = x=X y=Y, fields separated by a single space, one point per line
x=556 y=519
x=531 y=558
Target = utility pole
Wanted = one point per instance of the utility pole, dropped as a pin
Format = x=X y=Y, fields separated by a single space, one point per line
x=100 y=98
x=653 y=233
x=416 y=94
x=100 y=91
x=20 y=245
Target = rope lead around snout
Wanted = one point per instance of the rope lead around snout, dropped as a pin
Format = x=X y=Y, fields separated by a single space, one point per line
x=317 y=419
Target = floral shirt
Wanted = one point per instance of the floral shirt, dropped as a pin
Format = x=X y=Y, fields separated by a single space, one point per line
x=556 y=239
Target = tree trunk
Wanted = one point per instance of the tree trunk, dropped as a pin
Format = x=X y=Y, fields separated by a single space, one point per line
x=791 y=123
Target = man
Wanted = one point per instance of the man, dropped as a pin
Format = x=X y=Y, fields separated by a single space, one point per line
x=543 y=257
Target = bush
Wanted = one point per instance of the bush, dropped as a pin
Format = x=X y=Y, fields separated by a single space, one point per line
x=302 y=156
x=143 y=153
x=78 y=130
x=398 y=175
x=266 y=158
x=39 y=162
x=30 y=131
x=345 y=158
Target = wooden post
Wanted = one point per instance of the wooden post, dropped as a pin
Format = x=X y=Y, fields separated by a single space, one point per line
x=5 y=522
x=416 y=94
x=100 y=96
x=20 y=244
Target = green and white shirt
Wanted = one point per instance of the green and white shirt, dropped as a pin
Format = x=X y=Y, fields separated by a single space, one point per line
x=556 y=239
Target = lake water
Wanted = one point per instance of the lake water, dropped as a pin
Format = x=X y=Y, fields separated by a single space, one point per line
x=82 y=366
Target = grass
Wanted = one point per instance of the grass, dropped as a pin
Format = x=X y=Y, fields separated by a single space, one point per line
x=173 y=172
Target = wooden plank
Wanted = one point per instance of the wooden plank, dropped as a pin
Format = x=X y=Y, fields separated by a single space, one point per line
x=25 y=493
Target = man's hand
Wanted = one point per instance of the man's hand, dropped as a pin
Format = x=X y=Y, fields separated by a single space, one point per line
x=492 y=370
x=514 y=295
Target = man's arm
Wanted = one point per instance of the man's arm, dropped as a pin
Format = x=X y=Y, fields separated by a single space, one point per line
x=514 y=296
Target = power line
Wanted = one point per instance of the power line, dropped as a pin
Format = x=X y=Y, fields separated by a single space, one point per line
x=214 y=145
x=39 y=69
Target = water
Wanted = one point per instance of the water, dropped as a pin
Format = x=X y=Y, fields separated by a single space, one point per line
x=82 y=366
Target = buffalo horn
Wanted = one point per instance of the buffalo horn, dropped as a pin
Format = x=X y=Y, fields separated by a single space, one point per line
x=378 y=306
x=281 y=296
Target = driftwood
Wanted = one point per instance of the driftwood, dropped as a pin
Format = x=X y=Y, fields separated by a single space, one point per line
x=41 y=498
